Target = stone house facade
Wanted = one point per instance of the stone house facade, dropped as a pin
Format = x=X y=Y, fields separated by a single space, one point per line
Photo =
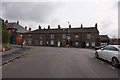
x=84 y=37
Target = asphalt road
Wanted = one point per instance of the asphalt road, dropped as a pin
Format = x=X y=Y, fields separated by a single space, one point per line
x=50 y=62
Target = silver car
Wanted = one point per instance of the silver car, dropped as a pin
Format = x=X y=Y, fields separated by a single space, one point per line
x=110 y=53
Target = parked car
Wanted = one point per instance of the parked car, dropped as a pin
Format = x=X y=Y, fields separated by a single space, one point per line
x=110 y=53
x=99 y=47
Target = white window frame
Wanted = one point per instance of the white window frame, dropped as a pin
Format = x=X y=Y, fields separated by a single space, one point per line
x=89 y=36
x=77 y=43
x=52 y=36
x=64 y=36
x=41 y=42
x=93 y=44
x=76 y=36
x=41 y=36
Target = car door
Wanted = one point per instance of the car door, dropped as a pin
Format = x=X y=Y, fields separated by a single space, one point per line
x=105 y=52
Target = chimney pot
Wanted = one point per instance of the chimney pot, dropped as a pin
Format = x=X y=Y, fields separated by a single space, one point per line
x=48 y=26
x=17 y=22
x=96 y=25
x=25 y=27
x=58 y=26
x=29 y=29
x=6 y=21
x=81 y=26
x=69 y=26
x=39 y=27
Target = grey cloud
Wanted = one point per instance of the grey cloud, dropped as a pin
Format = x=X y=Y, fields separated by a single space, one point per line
x=31 y=11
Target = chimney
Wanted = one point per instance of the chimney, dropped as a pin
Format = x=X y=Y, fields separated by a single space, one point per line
x=96 y=25
x=58 y=26
x=17 y=22
x=29 y=29
x=69 y=25
x=39 y=27
x=25 y=27
x=48 y=26
x=81 y=26
x=6 y=21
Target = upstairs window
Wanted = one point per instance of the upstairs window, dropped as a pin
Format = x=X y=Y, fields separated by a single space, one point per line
x=76 y=36
x=88 y=36
x=52 y=36
x=29 y=35
x=64 y=36
x=41 y=36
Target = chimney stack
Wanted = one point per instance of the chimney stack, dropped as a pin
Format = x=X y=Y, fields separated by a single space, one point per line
x=29 y=29
x=6 y=21
x=69 y=25
x=17 y=22
x=39 y=27
x=81 y=26
x=96 y=25
x=58 y=26
x=25 y=27
x=48 y=26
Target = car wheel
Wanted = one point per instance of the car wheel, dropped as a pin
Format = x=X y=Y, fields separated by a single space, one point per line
x=96 y=55
x=115 y=62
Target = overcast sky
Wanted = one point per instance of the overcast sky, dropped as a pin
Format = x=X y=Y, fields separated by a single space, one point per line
x=54 y=12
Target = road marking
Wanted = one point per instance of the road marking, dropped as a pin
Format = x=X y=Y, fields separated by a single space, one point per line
x=102 y=62
x=17 y=57
x=111 y=66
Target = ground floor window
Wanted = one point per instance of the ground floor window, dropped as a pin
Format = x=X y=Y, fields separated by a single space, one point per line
x=41 y=42
x=76 y=43
x=93 y=44
x=52 y=42
x=29 y=42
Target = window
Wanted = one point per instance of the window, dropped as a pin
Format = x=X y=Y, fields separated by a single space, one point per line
x=52 y=42
x=76 y=36
x=41 y=36
x=114 y=49
x=64 y=36
x=64 y=42
x=47 y=43
x=30 y=35
x=87 y=44
x=110 y=48
x=93 y=44
x=88 y=36
x=68 y=37
x=76 y=43
x=41 y=42
x=29 y=42
x=52 y=36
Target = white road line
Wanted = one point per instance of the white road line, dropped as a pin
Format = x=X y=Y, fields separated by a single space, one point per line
x=111 y=66
x=102 y=62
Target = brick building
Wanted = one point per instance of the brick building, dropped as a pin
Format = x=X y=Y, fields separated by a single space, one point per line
x=104 y=40
x=72 y=37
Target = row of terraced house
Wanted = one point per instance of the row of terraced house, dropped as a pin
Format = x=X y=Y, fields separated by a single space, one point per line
x=83 y=37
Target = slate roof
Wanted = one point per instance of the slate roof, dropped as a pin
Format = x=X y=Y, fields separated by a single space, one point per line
x=19 y=28
x=65 y=30
x=104 y=38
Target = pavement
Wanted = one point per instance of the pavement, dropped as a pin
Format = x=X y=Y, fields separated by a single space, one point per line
x=15 y=50
x=52 y=62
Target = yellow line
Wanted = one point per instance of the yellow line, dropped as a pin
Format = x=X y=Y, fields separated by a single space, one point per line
x=17 y=57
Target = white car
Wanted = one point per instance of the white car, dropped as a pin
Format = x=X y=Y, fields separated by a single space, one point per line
x=110 y=53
